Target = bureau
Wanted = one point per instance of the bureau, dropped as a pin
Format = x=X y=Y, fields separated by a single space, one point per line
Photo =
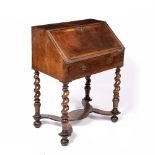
x=69 y=51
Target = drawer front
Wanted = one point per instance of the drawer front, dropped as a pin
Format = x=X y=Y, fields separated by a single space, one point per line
x=95 y=65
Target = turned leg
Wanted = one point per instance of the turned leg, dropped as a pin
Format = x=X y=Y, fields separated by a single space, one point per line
x=65 y=118
x=37 y=104
x=115 y=100
x=87 y=91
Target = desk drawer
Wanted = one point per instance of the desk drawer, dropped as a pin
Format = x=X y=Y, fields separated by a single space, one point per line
x=94 y=65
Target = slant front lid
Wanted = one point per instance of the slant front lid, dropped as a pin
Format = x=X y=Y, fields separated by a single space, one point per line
x=84 y=41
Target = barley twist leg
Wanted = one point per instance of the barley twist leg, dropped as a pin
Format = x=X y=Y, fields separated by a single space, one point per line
x=65 y=118
x=115 y=100
x=37 y=122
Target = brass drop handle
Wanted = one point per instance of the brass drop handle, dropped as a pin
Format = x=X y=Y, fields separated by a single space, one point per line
x=109 y=60
x=84 y=68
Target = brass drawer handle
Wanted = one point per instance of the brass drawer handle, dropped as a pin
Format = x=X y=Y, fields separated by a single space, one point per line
x=109 y=60
x=83 y=68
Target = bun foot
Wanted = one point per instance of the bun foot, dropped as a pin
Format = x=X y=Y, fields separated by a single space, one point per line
x=64 y=141
x=37 y=124
x=114 y=118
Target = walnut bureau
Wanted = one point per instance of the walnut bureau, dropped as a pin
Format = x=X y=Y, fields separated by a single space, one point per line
x=69 y=51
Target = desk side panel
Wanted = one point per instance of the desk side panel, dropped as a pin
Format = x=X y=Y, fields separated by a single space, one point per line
x=45 y=57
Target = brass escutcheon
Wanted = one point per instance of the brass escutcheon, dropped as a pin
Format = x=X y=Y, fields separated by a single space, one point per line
x=81 y=28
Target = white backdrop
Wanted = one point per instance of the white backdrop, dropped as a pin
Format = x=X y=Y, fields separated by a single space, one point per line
x=134 y=133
